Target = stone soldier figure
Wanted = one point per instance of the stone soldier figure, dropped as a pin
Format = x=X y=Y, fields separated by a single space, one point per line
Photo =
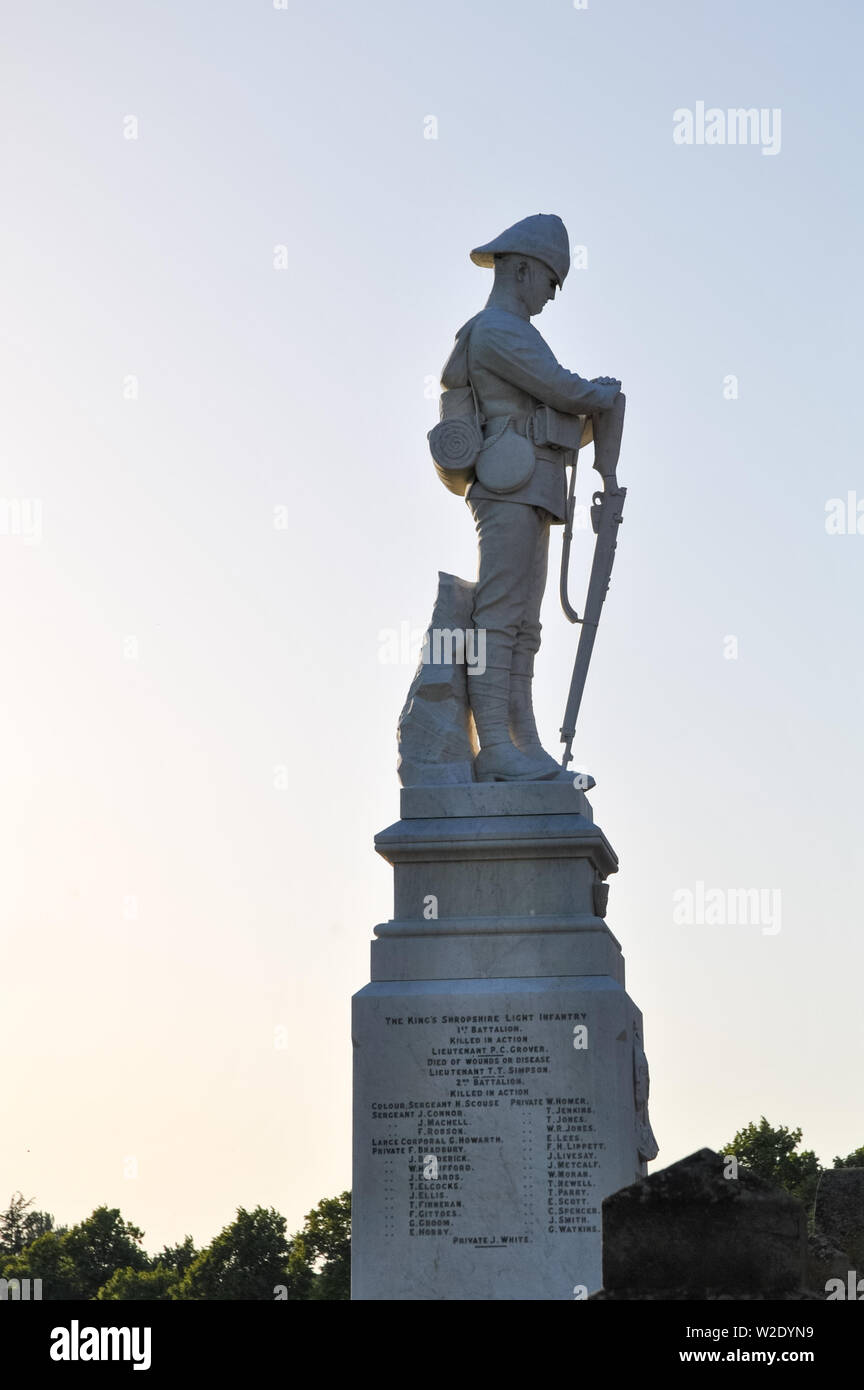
x=513 y=374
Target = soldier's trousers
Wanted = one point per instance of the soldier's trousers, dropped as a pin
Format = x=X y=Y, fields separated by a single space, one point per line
x=513 y=560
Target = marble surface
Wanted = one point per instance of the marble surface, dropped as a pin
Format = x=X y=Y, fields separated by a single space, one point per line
x=435 y=734
x=491 y=1118
x=495 y=1048
x=496 y=799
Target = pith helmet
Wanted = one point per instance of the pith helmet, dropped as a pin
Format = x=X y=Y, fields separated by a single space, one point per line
x=543 y=236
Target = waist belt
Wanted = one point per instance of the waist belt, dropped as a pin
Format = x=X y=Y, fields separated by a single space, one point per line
x=524 y=425
x=519 y=422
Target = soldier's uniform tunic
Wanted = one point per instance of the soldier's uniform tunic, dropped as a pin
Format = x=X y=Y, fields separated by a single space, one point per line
x=513 y=371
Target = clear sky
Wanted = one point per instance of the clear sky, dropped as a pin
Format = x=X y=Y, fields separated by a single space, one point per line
x=234 y=264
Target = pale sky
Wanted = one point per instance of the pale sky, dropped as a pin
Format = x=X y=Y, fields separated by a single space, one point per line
x=234 y=265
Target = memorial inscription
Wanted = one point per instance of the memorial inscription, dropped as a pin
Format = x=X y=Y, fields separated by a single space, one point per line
x=486 y=1059
x=495 y=1132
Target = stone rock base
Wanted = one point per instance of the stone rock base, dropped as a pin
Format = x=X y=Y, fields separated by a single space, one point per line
x=436 y=735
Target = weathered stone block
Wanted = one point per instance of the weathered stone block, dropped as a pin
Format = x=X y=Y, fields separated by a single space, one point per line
x=689 y=1231
x=839 y=1213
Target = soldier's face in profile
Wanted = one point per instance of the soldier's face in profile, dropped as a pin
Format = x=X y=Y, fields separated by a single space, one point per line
x=539 y=285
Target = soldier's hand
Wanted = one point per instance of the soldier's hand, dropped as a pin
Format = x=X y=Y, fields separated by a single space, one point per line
x=606 y=381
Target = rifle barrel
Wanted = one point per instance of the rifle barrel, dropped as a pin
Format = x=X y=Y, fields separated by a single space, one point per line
x=609 y=506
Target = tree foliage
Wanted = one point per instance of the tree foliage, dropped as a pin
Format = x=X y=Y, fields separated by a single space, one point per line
x=72 y=1264
x=770 y=1153
x=137 y=1285
x=252 y=1258
x=45 y=1258
x=326 y=1242
x=102 y=1244
x=178 y=1257
x=19 y=1226
x=853 y=1160
x=249 y=1259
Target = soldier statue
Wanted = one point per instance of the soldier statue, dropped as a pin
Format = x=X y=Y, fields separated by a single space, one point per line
x=531 y=415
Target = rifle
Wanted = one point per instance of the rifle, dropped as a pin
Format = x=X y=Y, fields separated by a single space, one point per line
x=606 y=516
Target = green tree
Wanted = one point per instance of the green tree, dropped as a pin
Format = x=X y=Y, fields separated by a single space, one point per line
x=39 y=1223
x=853 y=1160
x=12 y=1229
x=252 y=1258
x=770 y=1153
x=324 y=1245
x=178 y=1257
x=102 y=1244
x=248 y=1260
x=137 y=1285
x=46 y=1258
x=19 y=1226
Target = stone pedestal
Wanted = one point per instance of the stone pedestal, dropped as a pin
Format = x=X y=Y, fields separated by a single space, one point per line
x=500 y=1085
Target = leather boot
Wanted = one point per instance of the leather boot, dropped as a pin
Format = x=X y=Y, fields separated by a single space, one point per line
x=499 y=760
x=522 y=725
